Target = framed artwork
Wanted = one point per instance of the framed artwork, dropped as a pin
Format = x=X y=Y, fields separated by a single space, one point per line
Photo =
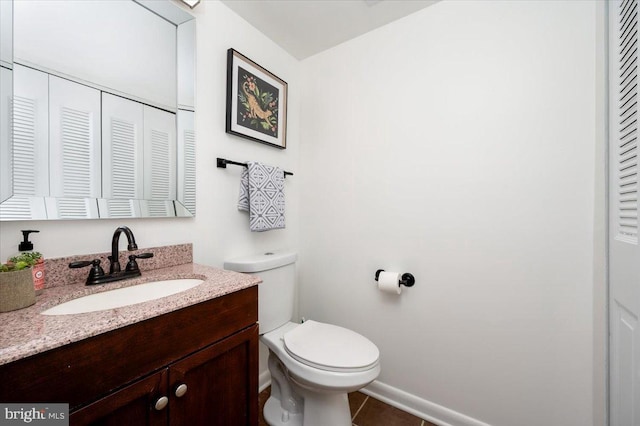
x=256 y=102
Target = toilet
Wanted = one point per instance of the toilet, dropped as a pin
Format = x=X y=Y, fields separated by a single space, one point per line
x=313 y=365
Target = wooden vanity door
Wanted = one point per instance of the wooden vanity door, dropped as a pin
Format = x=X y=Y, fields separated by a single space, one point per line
x=133 y=405
x=221 y=384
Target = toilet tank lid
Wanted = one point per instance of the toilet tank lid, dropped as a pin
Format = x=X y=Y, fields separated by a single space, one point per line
x=261 y=262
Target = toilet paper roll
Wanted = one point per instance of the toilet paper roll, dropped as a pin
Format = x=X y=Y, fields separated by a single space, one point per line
x=389 y=282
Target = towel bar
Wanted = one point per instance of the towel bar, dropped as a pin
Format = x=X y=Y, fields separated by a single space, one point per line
x=222 y=163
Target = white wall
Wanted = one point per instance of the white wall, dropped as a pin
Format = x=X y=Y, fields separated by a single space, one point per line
x=459 y=144
x=219 y=230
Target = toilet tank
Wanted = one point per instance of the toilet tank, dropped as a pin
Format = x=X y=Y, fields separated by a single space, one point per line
x=277 y=290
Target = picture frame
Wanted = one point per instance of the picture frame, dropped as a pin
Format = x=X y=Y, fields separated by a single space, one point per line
x=256 y=102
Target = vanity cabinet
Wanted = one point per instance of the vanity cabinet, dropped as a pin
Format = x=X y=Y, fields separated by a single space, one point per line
x=133 y=405
x=216 y=381
x=210 y=387
x=119 y=377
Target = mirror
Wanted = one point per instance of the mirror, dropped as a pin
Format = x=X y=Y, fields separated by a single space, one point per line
x=97 y=110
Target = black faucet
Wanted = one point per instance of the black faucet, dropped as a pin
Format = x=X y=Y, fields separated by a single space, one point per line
x=97 y=275
x=131 y=240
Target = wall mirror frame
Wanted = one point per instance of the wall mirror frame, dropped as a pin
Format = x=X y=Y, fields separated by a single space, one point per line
x=97 y=109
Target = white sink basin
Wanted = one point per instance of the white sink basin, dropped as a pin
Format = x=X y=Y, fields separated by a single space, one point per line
x=123 y=297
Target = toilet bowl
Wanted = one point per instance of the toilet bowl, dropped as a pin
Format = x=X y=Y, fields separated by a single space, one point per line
x=321 y=363
x=313 y=365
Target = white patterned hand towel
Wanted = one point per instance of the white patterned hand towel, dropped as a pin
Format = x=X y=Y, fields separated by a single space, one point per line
x=262 y=195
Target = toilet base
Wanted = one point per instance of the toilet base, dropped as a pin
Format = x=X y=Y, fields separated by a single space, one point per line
x=326 y=409
x=275 y=415
x=295 y=404
x=319 y=410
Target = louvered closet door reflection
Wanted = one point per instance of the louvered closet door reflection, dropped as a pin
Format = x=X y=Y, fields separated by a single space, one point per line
x=74 y=137
x=159 y=154
x=122 y=143
x=6 y=168
x=187 y=160
x=30 y=132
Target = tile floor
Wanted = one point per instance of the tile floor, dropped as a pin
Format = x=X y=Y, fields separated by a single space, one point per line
x=366 y=411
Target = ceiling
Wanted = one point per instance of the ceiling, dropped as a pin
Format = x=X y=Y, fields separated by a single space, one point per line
x=306 y=27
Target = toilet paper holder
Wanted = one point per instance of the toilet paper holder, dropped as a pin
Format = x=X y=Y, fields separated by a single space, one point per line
x=407 y=279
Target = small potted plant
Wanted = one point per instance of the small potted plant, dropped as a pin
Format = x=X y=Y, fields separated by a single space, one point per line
x=35 y=261
x=16 y=282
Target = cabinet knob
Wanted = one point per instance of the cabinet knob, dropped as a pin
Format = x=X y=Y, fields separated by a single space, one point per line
x=161 y=403
x=181 y=390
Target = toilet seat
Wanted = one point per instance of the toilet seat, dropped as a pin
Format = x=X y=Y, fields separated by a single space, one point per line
x=330 y=347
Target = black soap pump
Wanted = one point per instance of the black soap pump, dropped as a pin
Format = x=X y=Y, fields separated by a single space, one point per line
x=26 y=245
x=25 y=249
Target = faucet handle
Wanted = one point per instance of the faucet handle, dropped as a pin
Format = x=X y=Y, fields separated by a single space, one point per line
x=96 y=270
x=80 y=264
x=133 y=265
x=141 y=256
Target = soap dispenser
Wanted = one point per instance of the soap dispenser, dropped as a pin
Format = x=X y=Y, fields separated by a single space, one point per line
x=34 y=258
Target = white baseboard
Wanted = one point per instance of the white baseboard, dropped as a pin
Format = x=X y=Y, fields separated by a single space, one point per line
x=264 y=380
x=419 y=407
x=412 y=404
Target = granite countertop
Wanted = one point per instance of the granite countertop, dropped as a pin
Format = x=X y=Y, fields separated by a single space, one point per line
x=26 y=332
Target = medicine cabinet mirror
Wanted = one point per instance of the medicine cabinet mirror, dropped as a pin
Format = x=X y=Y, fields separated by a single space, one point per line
x=97 y=109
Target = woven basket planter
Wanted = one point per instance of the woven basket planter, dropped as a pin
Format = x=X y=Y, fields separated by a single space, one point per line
x=16 y=290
